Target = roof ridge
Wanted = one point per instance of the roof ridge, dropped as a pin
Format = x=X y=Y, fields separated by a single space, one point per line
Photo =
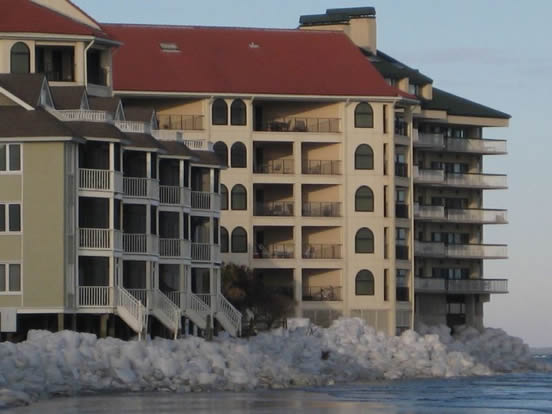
x=68 y=17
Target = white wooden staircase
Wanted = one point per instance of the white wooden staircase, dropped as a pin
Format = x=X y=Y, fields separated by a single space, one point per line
x=166 y=311
x=132 y=311
x=227 y=315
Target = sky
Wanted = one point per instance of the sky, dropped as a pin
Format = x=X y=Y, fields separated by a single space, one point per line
x=496 y=52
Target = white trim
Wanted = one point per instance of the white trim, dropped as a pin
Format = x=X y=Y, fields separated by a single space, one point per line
x=58 y=37
x=43 y=139
x=15 y=99
x=225 y=95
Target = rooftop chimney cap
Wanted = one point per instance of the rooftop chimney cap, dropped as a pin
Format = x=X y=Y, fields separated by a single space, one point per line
x=353 y=11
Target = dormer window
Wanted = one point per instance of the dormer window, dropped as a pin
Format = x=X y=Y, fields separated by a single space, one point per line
x=414 y=89
x=169 y=47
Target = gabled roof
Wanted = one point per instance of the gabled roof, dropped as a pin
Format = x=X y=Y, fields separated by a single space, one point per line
x=96 y=130
x=67 y=97
x=242 y=61
x=456 y=105
x=139 y=113
x=26 y=87
x=139 y=140
x=25 y=16
x=104 y=104
x=17 y=123
x=176 y=148
x=208 y=158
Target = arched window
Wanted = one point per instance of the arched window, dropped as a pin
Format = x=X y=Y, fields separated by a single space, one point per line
x=239 y=240
x=221 y=150
x=238 y=113
x=238 y=156
x=239 y=197
x=223 y=240
x=364 y=116
x=364 y=241
x=364 y=283
x=20 y=58
x=364 y=199
x=220 y=112
x=364 y=157
x=223 y=197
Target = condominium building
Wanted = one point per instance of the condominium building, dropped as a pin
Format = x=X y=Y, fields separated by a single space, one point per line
x=106 y=225
x=335 y=172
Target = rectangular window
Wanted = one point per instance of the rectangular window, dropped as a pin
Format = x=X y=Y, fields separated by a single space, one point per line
x=385 y=286
x=10 y=217
x=186 y=229
x=2 y=217
x=385 y=119
x=10 y=278
x=10 y=157
x=153 y=220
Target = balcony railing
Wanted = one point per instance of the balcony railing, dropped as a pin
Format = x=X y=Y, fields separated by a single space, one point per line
x=142 y=295
x=321 y=209
x=85 y=115
x=476 y=180
x=461 y=286
x=100 y=180
x=205 y=252
x=427 y=140
x=95 y=297
x=134 y=126
x=174 y=248
x=180 y=122
x=178 y=297
x=275 y=251
x=285 y=166
x=322 y=293
x=461 y=251
x=423 y=212
x=274 y=208
x=174 y=195
x=476 y=146
x=321 y=167
x=201 y=200
x=141 y=187
x=428 y=176
x=321 y=251
x=401 y=210
x=297 y=124
x=100 y=239
x=140 y=243
x=473 y=215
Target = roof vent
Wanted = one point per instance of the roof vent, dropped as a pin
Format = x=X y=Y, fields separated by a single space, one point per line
x=254 y=45
x=169 y=47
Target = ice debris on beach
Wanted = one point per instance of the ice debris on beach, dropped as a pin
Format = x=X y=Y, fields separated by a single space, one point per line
x=66 y=363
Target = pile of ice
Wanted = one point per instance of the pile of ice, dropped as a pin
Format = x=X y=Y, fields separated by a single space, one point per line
x=66 y=362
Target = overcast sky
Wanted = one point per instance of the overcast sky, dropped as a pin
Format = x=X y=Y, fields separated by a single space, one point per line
x=494 y=52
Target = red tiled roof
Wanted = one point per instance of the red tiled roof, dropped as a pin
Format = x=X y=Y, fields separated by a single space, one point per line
x=24 y=16
x=240 y=60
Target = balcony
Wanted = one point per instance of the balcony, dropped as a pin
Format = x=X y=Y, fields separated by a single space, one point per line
x=205 y=252
x=321 y=209
x=322 y=293
x=461 y=286
x=296 y=124
x=180 y=122
x=321 y=167
x=476 y=146
x=140 y=243
x=321 y=251
x=201 y=200
x=460 y=251
x=100 y=239
x=274 y=208
x=401 y=169
x=172 y=195
x=285 y=166
x=275 y=251
x=401 y=210
x=100 y=180
x=95 y=297
x=428 y=176
x=479 y=181
x=477 y=216
x=426 y=140
x=84 y=115
x=174 y=248
x=429 y=213
x=141 y=187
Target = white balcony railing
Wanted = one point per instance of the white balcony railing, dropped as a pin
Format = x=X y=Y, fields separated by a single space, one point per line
x=174 y=195
x=134 y=126
x=142 y=295
x=100 y=239
x=205 y=252
x=85 y=115
x=201 y=200
x=100 y=180
x=476 y=146
x=139 y=243
x=141 y=187
x=175 y=248
x=95 y=297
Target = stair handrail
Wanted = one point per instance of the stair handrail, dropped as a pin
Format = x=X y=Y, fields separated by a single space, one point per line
x=134 y=307
x=233 y=315
x=168 y=308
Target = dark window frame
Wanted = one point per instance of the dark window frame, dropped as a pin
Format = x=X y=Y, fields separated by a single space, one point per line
x=16 y=55
x=238 y=155
x=234 y=200
x=239 y=236
x=365 y=284
x=219 y=112
x=224 y=240
x=364 y=115
x=238 y=113
x=359 y=197
x=364 y=158
x=369 y=240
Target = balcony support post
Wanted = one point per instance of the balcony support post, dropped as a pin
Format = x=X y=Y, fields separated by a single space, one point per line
x=298 y=291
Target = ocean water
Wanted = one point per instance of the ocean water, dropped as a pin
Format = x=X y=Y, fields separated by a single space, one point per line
x=511 y=393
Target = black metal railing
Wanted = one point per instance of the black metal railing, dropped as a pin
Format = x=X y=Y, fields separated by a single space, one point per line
x=401 y=169
x=322 y=293
x=275 y=251
x=321 y=251
x=321 y=209
x=274 y=208
x=285 y=166
x=302 y=124
x=321 y=167
x=180 y=122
